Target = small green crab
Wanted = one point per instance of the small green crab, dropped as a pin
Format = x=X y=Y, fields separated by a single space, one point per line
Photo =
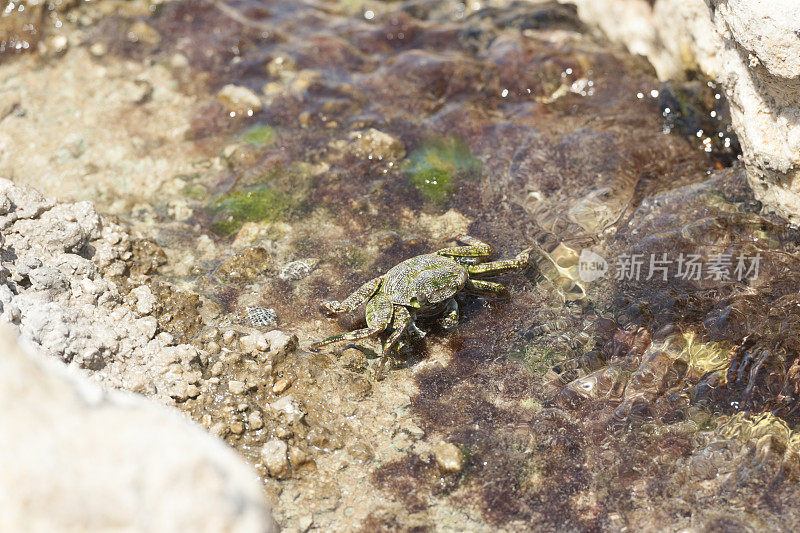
x=423 y=286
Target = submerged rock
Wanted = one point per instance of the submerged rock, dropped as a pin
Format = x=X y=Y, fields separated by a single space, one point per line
x=239 y=100
x=449 y=457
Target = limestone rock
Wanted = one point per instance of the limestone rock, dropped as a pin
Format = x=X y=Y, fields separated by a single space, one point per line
x=59 y=290
x=273 y=453
x=77 y=458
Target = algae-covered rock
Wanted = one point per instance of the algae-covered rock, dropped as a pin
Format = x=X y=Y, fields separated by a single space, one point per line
x=261 y=204
x=259 y=135
x=245 y=265
x=435 y=168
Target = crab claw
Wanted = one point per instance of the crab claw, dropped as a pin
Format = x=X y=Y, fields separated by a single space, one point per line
x=328 y=308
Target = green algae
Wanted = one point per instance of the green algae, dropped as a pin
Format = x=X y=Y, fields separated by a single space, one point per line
x=263 y=197
x=435 y=168
x=258 y=204
x=259 y=135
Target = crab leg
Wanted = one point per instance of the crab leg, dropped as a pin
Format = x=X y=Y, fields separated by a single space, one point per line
x=402 y=319
x=476 y=248
x=379 y=316
x=350 y=336
x=489 y=288
x=450 y=318
x=495 y=268
x=361 y=295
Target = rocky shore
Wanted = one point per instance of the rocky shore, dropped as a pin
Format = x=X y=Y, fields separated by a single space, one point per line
x=183 y=182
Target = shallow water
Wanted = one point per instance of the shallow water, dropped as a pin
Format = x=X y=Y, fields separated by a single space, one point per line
x=388 y=127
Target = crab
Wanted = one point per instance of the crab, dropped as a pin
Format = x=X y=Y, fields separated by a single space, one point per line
x=423 y=286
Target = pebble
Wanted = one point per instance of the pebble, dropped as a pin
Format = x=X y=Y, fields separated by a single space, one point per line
x=377 y=145
x=228 y=337
x=237 y=428
x=98 y=49
x=273 y=453
x=238 y=100
x=254 y=421
x=281 y=385
x=142 y=32
x=297 y=456
x=297 y=270
x=236 y=387
x=449 y=457
x=217 y=368
x=219 y=429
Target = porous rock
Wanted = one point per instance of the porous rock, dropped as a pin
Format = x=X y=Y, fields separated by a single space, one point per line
x=60 y=290
x=273 y=453
x=78 y=458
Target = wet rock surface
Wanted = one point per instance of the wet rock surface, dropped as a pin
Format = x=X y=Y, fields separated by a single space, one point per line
x=269 y=156
x=750 y=48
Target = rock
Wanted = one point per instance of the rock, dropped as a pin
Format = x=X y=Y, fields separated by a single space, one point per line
x=297 y=270
x=98 y=49
x=239 y=100
x=752 y=49
x=76 y=457
x=280 y=386
x=353 y=359
x=253 y=343
x=245 y=265
x=145 y=299
x=280 y=345
x=61 y=294
x=54 y=45
x=255 y=421
x=289 y=406
x=142 y=32
x=377 y=145
x=236 y=387
x=298 y=457
x=449 y=457
x=447 y=225
x=273 y=453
